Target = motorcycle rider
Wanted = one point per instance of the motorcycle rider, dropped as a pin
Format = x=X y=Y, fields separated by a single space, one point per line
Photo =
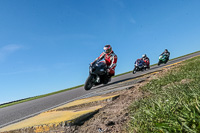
x=146 y=60
x=166 y=53
x=110 y=59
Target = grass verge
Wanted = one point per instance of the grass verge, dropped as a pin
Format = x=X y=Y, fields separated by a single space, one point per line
x=173 y=104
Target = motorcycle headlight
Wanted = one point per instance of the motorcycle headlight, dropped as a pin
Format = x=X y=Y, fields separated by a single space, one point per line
x=101 y=70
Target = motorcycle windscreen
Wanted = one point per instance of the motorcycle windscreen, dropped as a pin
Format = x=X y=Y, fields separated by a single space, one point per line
x=101 y=68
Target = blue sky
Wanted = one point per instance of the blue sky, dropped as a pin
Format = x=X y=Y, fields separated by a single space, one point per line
x=47 y=45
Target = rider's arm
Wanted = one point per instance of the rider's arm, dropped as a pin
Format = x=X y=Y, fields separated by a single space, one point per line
x=113 y=62
x=142 y=61
x=99 y=58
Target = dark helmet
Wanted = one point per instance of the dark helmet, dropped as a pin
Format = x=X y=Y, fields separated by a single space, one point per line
x=166 y=50
x=107 y=49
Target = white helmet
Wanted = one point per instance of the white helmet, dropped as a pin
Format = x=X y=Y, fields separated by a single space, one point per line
x=107 y=49
x=144 y=55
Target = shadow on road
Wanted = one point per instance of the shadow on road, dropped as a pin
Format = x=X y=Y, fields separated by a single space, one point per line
x=126 y=79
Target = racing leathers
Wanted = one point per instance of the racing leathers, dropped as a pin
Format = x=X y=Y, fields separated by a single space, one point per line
x=110 y=60
x=147 y=61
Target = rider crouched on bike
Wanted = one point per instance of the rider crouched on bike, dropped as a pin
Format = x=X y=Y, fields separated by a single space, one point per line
x=110 y=59
x=166 y=53
x=146 y=60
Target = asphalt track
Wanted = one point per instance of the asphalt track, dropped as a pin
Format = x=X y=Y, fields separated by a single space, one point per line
x=18 y=112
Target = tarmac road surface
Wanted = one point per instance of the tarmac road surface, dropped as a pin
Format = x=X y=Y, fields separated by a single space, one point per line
x=18 y=112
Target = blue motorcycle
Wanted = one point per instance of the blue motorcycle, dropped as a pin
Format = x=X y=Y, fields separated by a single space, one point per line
x=139 y=66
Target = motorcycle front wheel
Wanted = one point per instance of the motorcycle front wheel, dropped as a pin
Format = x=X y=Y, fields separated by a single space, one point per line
x=89 y=82
x=134 y=70
x=159 y=62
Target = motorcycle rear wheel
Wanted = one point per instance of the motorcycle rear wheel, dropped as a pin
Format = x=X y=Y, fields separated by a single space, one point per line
x=89 y=82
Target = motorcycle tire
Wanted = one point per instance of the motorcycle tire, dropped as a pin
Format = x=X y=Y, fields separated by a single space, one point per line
x=89 y=82
x=159 y=62
x=134 y=71
x=105 y=81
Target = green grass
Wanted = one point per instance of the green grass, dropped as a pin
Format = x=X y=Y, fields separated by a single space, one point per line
x=173 y=103
x=36 y=97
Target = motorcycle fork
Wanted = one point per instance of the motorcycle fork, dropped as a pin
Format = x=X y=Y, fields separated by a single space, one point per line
x=96 y=78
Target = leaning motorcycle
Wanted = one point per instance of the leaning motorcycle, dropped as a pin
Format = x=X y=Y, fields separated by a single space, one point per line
x=97 y=75
x=139 y=66
x=162 y=59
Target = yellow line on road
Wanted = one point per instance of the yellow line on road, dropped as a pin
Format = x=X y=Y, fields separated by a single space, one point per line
x=83 y=101
x=59 y=115
x=56 y=118
x=141 y=76
x=165 y=67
